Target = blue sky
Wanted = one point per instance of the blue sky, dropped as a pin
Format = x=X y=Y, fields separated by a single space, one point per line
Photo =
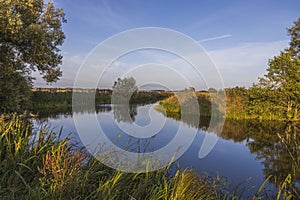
x=239 y=36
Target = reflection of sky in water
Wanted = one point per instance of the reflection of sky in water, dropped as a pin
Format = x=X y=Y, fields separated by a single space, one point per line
x=228 y=158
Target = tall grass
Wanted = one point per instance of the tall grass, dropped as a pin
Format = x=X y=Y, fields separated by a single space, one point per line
x=185 y=99
x=287 y=189
x=38 y=164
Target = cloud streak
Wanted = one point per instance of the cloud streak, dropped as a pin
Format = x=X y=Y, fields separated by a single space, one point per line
x=215 y=38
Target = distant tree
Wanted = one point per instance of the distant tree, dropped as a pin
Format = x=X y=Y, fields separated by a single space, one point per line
x=277 y=93
x=192 y=89
x=30 y=33
x=212 y=90
x=123 y=89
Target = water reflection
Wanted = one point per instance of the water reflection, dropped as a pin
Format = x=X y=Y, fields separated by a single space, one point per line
x=55 y=112
x=276 y=145
x=125 y=113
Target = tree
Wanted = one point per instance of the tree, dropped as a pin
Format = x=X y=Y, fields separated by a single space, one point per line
x=30 y=34
x=123 y=89
x=212 y=90
x=277 y=93
x=14 y=92
x=237 y=99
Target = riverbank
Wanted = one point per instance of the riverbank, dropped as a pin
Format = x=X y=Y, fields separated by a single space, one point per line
x=239 y=102
x=239 y=106
x=38 y=164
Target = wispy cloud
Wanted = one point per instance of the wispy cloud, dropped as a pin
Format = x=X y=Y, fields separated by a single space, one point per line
x=238 y=65
x=215 y=38
x=244 y=63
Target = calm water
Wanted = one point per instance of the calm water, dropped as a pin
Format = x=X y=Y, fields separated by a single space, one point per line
x=246 y=152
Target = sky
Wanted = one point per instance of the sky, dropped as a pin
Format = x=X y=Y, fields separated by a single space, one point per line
x=238 y=36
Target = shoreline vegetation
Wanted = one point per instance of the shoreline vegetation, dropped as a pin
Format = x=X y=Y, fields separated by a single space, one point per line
x=239 y=106
x=239 y=102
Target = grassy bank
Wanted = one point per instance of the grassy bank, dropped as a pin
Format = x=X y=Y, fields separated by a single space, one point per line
x=172 y=103
x=240 y=105
x=38 y=164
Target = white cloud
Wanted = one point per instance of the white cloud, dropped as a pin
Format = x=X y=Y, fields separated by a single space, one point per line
x=243 y=64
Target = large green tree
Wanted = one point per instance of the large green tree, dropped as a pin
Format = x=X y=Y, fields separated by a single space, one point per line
x=30 y=36
x=277 y=93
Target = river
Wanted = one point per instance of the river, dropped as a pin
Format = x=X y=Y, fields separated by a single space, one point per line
x=246 y=152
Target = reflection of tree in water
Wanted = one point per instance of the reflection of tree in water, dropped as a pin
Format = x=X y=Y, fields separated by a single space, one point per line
x=279 y=147
x=191 y=120
x=276 y=144
x=125 y=113
x=195 y=121
x=236 y=130
x=103 y=108
x=55 y=112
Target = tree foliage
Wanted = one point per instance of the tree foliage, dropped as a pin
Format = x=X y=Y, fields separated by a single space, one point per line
x=294 y=32
x=14 y=92
x=123 y=89
x=276 y=95
x=30 y=34
x=237 y=100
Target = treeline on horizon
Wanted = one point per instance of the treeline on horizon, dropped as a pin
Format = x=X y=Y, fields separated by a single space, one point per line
x=59 y=97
